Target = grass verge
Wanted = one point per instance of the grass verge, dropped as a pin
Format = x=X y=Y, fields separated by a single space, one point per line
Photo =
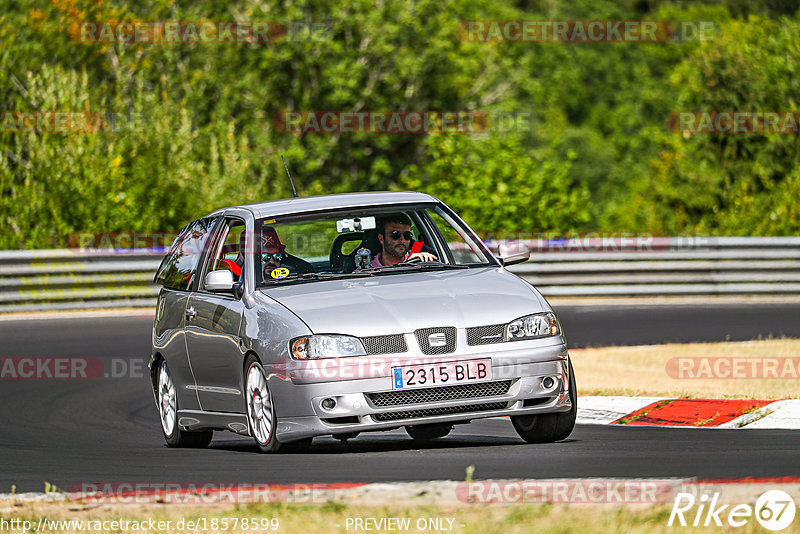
x=651 y=370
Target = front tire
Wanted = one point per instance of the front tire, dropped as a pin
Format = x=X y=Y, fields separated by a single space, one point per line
x=261 y=418
x=549 y=427
x=168 y=412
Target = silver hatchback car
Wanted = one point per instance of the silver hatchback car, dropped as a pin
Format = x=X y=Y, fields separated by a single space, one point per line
x=340 y=314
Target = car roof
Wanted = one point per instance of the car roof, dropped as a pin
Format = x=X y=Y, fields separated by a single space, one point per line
x=325 y=202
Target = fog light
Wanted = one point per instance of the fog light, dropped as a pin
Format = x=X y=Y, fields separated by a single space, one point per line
x=328 y=404
x=548 y=382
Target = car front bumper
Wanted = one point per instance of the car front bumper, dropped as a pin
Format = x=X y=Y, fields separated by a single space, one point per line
x=301 y=414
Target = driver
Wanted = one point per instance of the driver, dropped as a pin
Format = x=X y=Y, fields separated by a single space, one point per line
x=394 y=234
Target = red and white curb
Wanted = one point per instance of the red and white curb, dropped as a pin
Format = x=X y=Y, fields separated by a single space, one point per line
x=693 y=413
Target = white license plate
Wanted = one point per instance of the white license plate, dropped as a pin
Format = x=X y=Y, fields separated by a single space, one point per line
x=441 y=374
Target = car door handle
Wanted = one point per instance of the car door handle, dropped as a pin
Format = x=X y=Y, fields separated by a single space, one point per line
x=190 y=314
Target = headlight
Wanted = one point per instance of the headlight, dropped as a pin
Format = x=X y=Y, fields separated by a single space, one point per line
x=533 y=326
x=325 y=346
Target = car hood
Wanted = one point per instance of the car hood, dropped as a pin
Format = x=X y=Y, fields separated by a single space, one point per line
x=402 y=303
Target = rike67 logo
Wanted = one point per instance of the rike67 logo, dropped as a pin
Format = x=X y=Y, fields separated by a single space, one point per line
x=774 y=510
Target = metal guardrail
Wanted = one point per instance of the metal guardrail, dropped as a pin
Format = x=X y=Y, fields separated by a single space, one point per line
x=67 y=279
x=661 y=266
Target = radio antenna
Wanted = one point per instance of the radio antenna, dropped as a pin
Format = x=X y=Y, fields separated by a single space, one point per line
x=294 y=191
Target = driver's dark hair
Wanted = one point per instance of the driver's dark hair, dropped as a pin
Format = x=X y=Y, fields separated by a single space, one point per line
x=398 y=218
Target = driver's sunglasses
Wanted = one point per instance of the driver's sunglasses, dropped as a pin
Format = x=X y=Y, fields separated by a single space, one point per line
x=395 y=235
x=277 y=256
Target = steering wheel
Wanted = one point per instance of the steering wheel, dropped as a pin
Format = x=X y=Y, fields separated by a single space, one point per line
x=417 y=259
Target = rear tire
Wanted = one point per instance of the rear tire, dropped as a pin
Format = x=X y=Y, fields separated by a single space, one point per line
x=430 y=431
x=168 y=412
x=549 y=427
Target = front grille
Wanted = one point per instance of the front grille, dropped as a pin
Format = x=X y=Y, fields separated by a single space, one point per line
x=444 y=393
x=431 y=412
x=483 y=335
x=424 y=340
x=384 y=344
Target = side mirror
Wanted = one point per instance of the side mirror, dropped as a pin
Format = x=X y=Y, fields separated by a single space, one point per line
x=219 y=281
x=513 y=259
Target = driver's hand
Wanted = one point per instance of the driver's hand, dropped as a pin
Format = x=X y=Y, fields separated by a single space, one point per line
x=423 y=257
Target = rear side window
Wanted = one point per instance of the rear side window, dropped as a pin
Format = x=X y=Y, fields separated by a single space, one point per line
x=179 y=266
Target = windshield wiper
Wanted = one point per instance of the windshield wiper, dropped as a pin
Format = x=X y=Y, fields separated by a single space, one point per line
x=406 y=266
x=322 y=276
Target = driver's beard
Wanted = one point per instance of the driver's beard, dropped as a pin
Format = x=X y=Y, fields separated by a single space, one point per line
x=399 y=250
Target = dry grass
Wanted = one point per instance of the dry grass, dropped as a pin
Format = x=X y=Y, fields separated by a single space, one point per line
x=642 y=371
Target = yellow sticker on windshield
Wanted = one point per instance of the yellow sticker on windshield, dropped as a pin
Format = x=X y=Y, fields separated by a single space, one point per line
x=280 y=272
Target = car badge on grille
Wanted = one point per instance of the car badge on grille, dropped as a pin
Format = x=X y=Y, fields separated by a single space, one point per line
x=437 y=339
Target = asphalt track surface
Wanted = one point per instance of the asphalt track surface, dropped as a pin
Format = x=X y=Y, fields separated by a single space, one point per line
x=69 y=432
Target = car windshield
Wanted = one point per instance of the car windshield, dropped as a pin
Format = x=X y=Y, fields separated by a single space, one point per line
x=363 y=242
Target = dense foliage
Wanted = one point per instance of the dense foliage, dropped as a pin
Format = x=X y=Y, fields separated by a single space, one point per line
x=191 y=127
